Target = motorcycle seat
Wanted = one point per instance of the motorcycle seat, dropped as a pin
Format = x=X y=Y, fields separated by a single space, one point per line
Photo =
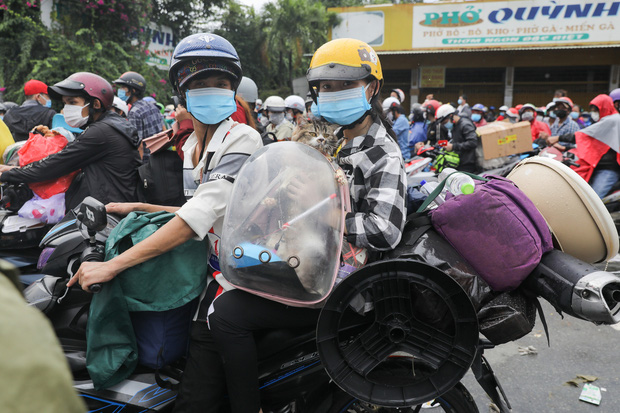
x=270 y=342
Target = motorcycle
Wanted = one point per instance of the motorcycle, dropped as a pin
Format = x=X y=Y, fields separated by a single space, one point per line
x=327 y=369
x=296 y=365
x=395 y=335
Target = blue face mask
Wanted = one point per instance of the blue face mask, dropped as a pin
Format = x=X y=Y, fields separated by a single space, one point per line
x=315 y=110
x=48 y=103
x=476 y=117
x=343 y=107
x=460 y=101
x=574 y=115
x=122 y=95
x=552 y=115
x=449 y=125
x=211 y=105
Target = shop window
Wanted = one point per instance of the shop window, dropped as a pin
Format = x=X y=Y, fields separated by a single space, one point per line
x=562 y=74
x=399 y=77
x=475 y=75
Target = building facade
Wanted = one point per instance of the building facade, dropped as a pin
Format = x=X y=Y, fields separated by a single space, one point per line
x=495 y=52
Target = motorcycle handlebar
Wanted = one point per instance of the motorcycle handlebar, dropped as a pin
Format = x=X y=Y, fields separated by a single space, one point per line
x=95 y=288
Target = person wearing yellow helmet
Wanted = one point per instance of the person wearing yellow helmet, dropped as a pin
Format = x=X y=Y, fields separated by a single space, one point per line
x=345 y=80
x=345 y=76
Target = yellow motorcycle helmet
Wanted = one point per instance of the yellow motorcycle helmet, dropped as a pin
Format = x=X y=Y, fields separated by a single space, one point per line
x=344 y=59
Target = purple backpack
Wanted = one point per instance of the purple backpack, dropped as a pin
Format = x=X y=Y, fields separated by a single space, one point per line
x=497 y=229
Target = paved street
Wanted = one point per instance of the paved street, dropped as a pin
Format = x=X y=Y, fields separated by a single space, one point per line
x=535 y=383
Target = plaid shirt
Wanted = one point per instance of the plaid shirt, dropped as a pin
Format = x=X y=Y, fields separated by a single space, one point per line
x=377 y=183
x=147 y=119
x=569 y=126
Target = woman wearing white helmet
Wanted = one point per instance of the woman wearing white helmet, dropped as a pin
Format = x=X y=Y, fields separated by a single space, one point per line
x=295 y=107
x=278 y=129
x=398 y=94
x=396 y=114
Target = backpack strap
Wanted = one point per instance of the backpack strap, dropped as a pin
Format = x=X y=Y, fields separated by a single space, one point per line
x=418 y=223
x=534 y=298
x=431 y=197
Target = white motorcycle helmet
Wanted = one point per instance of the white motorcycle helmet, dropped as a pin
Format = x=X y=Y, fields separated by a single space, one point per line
x=120 y=105
x=248 y=90
x=388 y=102
x=274 y=104
x=295 y=102
x=443 y=111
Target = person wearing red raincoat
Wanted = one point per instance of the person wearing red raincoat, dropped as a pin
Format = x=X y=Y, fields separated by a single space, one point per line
x=540 y=130
x=598 y=146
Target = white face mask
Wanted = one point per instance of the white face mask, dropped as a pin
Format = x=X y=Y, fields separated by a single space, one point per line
x=264 y=120
x=595 y=116
x=73 y=115
x=276 y=118
x=289 y=117
x=527 y=116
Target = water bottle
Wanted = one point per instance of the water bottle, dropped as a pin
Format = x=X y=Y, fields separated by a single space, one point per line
x=428 y=187
x=457 y=183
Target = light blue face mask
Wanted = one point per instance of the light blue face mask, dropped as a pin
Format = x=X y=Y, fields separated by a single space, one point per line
x=48 y=103
x=343 y=107
x=552 y=115
x=449 y=125
x=122 y=95
x=460 y=101
x=476 y=117
x=211 y=105
x=315 y=110
x=574 y=115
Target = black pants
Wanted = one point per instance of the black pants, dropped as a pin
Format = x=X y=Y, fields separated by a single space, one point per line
x=225 y=356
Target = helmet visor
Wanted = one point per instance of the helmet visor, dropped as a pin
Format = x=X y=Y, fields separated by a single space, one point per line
x=67 y=87
x=333 y=71
x=193 y=67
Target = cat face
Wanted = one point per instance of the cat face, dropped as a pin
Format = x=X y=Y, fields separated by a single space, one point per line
x=319 y=135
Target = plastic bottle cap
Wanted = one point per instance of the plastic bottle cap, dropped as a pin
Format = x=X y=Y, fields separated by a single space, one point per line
x=423 y=182
x=467 y=189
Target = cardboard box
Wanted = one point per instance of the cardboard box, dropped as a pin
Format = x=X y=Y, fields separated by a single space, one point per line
x=505 y=138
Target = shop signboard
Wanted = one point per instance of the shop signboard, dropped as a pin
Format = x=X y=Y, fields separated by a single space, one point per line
x=480 y=25
x=161 y=47
x=515 y=24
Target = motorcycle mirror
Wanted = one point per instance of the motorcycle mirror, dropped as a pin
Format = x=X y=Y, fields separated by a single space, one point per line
x=93 y=214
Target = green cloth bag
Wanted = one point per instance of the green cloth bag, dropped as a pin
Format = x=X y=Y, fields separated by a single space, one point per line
x=163 y=283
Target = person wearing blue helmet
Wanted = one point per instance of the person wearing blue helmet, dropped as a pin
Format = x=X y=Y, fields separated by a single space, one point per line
x=205 y=72
x=477 y=115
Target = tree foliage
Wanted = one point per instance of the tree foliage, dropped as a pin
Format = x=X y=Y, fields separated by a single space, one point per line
x=275 y=46
x=108 y=37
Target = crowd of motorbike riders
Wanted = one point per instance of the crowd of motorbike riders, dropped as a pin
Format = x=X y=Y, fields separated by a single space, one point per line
x=220 y=123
